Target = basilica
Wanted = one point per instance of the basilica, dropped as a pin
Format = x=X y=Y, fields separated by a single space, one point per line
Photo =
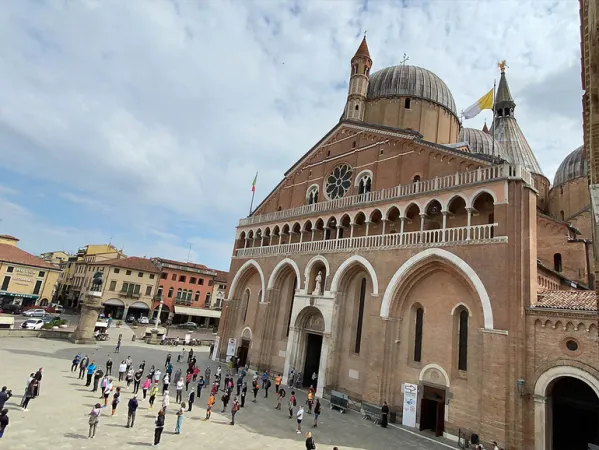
x=404 y=249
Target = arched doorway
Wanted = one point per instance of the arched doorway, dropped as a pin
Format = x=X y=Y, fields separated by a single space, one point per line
x=566 y=409
x=138 y=309
x=311 y=328
x=574 y=414
x=244 y=347
x=165 y=314
x=114 y=307
x=44 y=302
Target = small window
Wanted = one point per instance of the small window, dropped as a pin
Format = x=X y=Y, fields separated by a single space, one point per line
x=353 y=145
x=112 y=285
x=38 y=287
x=357 y=108
x=192 y=280
x=159 y=292
x=151 y=276
x=174 y=277
x=210 y=282
x=117 y=270
x=557 y=262
x=148 y=290
x=561 y=190
x=163 y=275
x=572 y=345
x=561 y=215
x=418 y=335
x=179 y=292
x=10 y=269
x=5 y=283
x=182 y=278
x=416 y=178
x=365 y=70
x=128 y=272
x=140 y=274
x=408 y=103
x=197 y=297
x=207 y=301
x=463 y=341
x=41 y=274
x=328 y=153
x=170 y=293
x=201 y=281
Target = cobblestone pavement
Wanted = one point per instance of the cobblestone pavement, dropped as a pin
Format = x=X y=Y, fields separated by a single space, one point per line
x=58 y=418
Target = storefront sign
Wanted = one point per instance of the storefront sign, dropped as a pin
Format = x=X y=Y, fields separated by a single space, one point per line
x=215 y=351
x=231 y=346
x=410 y=399
x=25 y=271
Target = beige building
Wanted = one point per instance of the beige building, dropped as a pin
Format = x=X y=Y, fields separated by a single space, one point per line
x=129 y=285
x=219 y=289
x=57 y=258
x=405 y=253
x=25 y=279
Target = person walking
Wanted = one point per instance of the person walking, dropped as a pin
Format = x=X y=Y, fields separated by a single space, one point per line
x=153 y=394
x=188 y=378
x=200 y=385
x=209 y=407
x=31 y=390
x=27 y=383
x=267 y=386
x=109 y=366
x=3 y=421
x=75 y=362
x=118 y=345
x=165 y=401
x=116 y=400
x=310 y=400
x=384 y=415
x=94 y=419
x=157 y=375
x=83 y=366
x=244 y=392
x=292 y=404
x=177 y=375
x=280 y=397
x=147 y=384
x=122 y=370
x=168 y=360
x=5 y=394
x=179 y=418
x=90 y=373
x=166 y=380
x=191 y=399
x=239 y=385
x=225 y=400
x=317 y=409
x=159 y=427
x=129 y=377
x=38 y=377
x=137 y=380
x=107 y=391
x=97 y=377
x=310 y=445
x=277 y=383
x=300 y=416
x=179 y=391
x=234 y=410
x=207 y=375
x=255 y=389
x=131 y=409
x=103 y=384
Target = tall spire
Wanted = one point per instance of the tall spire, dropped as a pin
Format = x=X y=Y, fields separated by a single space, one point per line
x=363 y=49
x=485 y=128
x=507 y=131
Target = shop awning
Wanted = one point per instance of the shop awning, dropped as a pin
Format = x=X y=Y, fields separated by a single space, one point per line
x=16 y=294
x=197 y=312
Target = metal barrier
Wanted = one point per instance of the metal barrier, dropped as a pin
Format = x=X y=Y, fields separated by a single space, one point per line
x=339 y=400
x=372 y=412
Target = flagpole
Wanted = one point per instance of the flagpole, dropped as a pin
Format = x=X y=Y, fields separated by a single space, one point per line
x=252 y=202
x=494 y=85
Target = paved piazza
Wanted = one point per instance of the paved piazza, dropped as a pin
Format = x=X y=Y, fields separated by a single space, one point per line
x=58 y=418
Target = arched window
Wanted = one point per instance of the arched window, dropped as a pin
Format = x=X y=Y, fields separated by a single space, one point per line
x=170 y=292
x=360 y=316
x=353 y=145
x=291 y=305
x=207 y=301
x=408 y=103
x=418 y=335
x=557 y=262
x=561 y=215
x=179 y=291
x=416 y=178
x=189 y=294
x=365 y=185
x=357 y=108
x=197 y=296
x=354 y=69
x=463 y=341
x=159 y=292
x=246 y=304
x=312 y=196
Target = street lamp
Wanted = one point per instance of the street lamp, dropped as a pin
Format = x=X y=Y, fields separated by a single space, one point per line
x=159 y=313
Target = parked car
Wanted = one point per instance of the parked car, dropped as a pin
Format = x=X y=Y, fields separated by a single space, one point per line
x=34 y=313
x=48 y=319
x=33 y=324
x=58 y=309
x=143 y=320
x=189 y=325
x=130 y=318
x=9 y=308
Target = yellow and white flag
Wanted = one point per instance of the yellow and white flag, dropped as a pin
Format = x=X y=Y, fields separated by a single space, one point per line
x=485 y=102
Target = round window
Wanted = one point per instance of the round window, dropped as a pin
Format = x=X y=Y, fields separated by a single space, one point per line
x=339 y=181
x=572 y=345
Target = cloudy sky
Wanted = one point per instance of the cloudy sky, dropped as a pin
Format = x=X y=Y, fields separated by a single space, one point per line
x=144 y=121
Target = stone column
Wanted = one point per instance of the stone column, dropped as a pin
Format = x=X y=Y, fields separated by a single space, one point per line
x=444 y=225
x=291 y=352
x=323 y=365
x=401 y=226
x=469 y=223
x=90 y=308
x=422 y=217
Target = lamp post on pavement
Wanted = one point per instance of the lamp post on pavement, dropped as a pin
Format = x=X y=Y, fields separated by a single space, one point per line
x=159 y=314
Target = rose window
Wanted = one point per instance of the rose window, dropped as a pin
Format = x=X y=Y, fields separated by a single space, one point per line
x=339 y=181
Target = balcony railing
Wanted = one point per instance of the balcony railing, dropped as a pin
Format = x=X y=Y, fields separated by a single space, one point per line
x=405 y=190
x=129 y=294
x=427 y=238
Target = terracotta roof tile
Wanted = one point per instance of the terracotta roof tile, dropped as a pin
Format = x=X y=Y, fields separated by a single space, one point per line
x=363 y=49
x=132 y=262
x=184 y=264
x=221 y=275
x=10 y=253
x=574 y=300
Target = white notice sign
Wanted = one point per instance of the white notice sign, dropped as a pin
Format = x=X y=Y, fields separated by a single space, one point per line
x=215 y=351
x=231 y=346
x=410 y=398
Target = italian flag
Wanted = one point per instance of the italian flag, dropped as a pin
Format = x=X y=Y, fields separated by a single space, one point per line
x=485 y=102
x=254 y=183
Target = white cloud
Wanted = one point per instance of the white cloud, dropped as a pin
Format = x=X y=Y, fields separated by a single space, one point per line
x=165 y=110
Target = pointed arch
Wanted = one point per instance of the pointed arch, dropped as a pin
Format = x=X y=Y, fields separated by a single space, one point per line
x=456 y=261
x=279 y=267
x=347 y=264
x=312 y=261
x=242 y=270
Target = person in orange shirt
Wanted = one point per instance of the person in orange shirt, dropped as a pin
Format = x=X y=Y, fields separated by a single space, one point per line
x=310 y=401
x=277 y=383
x=209 y=408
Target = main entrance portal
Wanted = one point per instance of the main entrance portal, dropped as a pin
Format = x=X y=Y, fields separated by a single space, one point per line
x=575 y=415
x=242 y=352
x=312 y=362
x=432 y=410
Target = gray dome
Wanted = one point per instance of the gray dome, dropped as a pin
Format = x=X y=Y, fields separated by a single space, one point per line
x=410 y=81
x=573 y=166
x=481 y=142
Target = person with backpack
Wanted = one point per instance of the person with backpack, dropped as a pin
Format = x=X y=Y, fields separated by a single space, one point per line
x=255 y=389
x=310 y=445
x=234 y=410
x=132 y=408
x=266 y=386
x=280 y=397
x=94 y=419
x=292 y=404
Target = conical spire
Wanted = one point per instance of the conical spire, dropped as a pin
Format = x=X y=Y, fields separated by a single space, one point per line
x=363 y=49
x=503 y=97
x=485 y=128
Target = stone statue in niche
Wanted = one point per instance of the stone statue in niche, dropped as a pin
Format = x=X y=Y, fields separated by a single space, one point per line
x=317 y=286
